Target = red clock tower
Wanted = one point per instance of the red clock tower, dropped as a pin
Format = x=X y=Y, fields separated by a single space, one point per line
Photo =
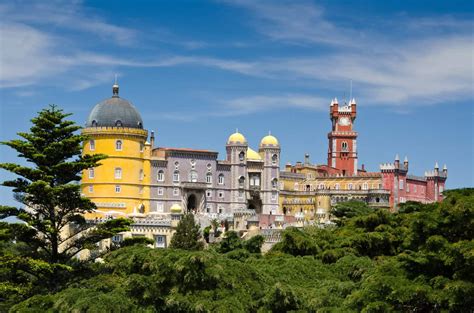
x=342 y=152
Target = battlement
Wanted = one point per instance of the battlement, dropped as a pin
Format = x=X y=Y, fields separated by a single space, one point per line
x=435 y=174
x=387 y=166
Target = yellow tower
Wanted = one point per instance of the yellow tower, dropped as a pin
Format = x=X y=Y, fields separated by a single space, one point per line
x=121 y=185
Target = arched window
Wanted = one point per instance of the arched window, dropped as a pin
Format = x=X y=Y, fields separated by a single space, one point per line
x=274 y=183
x=118 y=123
x=118 y=188
x=92 y=145
x=344 y=146
x=118 y=173
x=118 y=145
x=140 y=175
x=365 y=186
x=274 y=159
x=94 y=123
x=161 y=176
x=176 y=176
x=350 y=187
x=193 y=177
x=241 y=182
x=91 y=173
x=337 y=187
x=209 y=178
x=241 y=156
x=221 y=179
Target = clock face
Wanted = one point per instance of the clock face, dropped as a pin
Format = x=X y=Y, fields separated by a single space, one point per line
x=344 y=121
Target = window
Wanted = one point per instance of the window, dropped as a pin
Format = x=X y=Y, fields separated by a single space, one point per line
x=241 y=182
x=408 y=188
x=161 y=176
x=241 y=194
x=161 y=191
x=140 y=189
x=92 y=145
x=221 y=194
x=274 y=183
x=117 y=238
x=208 y=194
x=193 y=177
x=118 y=188
x=296 y=186
x=441 y=189
x=91 y=173
x=274 y=159
x=321 y=186
x=337 y=186
x=94 y=123
x=176 y=176
x=414 y=188
x=118 y=173
x=274 y=195
x=159 y=207
x=344 y=146
x=255 y=180
x=365 y=186
x=175 y=191
x=221 y=179
x=118 y=123
x=118 y=145
x=140 y=175
x=241 y=156
x=350 y=186
x=141 y=146
x=91 y=189
x=160 y=241
x=400 y=186
x=209 y=178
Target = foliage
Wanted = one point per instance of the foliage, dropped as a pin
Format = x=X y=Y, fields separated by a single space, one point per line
x=418 y=260
x=187 y=235
x=140 y=240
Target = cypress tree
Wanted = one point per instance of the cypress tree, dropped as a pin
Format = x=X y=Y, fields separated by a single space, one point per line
x=187 y=235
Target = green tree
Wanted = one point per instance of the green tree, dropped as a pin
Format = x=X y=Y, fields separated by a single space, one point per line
x=187 y=235
x=350 y=209
x=49 y=190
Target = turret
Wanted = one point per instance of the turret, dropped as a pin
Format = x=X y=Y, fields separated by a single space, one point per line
x=397 y=161
x=436 y=169
x=306 y=159
x=405 y=163
x=445 y=170
x=152 y=139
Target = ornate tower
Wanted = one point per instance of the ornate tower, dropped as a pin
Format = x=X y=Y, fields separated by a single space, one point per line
x=342 y=152
x=270 y=151
x=236 y=148
x=120 y=186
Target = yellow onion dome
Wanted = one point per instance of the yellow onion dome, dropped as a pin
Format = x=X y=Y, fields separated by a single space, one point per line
x=176 y=208
x=269 y=140
x=237 y=138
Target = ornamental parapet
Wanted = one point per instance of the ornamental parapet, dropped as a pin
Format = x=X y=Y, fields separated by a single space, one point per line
x=109 y=130
x=334 y=192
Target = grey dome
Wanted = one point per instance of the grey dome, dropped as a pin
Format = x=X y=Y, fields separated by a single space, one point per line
x=115 y=112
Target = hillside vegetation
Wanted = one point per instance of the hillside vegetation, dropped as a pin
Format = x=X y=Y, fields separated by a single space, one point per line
x=419 y=260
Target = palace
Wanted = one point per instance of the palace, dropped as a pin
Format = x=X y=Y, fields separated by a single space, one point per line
x=154 y=185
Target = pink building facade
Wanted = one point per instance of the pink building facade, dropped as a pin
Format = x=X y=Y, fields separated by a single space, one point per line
x=404 y=187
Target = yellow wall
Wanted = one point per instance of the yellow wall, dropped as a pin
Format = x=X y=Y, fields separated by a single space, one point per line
x=131 y=159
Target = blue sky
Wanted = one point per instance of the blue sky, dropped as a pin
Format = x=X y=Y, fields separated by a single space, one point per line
x=198 y=70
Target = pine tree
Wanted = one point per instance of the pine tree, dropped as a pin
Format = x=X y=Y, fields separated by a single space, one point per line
x=187 y=235
x=50 y=191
